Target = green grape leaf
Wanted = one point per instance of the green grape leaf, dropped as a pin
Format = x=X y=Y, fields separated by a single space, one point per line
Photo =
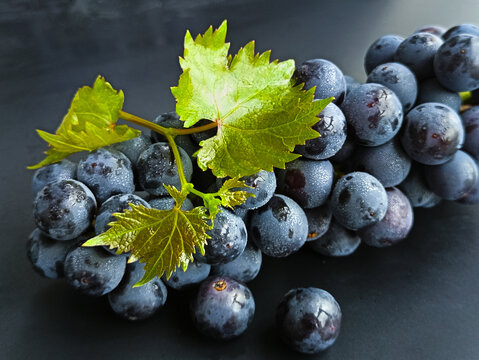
x=89 y=124
x=162 y=239
x=260 y=113
x=230 y=196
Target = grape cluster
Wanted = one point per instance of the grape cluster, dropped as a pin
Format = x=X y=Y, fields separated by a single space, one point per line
x=398 y=141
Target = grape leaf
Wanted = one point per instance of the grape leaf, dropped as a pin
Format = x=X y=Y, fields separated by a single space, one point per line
x=89 y=124
x=162 y=239
x=231 y=198
x=261 y=115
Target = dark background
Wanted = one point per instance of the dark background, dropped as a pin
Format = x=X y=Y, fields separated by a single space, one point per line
x=418 y=300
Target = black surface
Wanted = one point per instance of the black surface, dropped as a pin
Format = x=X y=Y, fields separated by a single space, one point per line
x=418 y=300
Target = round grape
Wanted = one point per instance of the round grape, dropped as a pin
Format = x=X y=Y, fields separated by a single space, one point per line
x=244 y=268
x=62 y=170
x=337 y=241
x=381 y=51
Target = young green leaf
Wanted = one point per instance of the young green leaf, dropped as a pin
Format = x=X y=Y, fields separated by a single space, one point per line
x=261 y=115
x=230 y=195
x=89 y=124
x=162 y=239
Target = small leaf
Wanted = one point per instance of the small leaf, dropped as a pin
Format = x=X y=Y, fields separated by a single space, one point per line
x=233 y=198
x=260 y=113
x=162 y=239
x=89 y=124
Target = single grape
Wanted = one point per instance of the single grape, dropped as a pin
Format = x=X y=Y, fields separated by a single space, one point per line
x=394 y=226
x=115 y=204
x=463 y=29
x=133 y=148
x=336 y=242
x=326 y=76
x=263 y=186
x=308 y=182
x=472 y=196
x=157 y=167
x=432 y=133
x=242 y=213
x=456 y=63
x=168 y=203
x=415 y=188
x=172 y=120
x=223 y=308
x=381 y=51
x=346 y=151
x=308 y=319
x=398 y=78
x=417 y=53
x=430 y=90
x=94 y=271
x=47 y=255
x=374 y=113
x=358 y=200
x=470 y=119
x=64 y=209
x=333 y=129
x=279 y=228
x=194 y=274
x=137 y=303
x=351 y=83
x=319 y=220
x=244 y=268
x=228 y=239
x=62 y=170
x=106 y=173
x=437 y=30
x=454 y=179
x=388 y=162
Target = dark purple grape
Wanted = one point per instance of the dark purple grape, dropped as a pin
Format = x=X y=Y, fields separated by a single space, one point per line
x=244 y=268
x=463 y=29
x=115 y=204
x=193 y=275
x=472 y=196
x=106 y=172
x=133 y=148
x=374 y=113
x=308 y=320
x=415 y=188
x=263 y=186
x=417 y=53
x=279 y=228
x=308 y=182
x=388 y=162
x=432 y=133
x=223 y=308
x=437 y=30
x=333 y=129
x=337 y=241
x=454 y=179
x=64 y=209
x=319 y=220
x=381 y=51
x=137 y=303
x=172 y=120
x=431 y=90
x=326 y=76
x=470 y=119
x=399 y=79
x=62 y=170
x=394 y=226
x=456 y=63
x=94 y=271
x=228 y=239
x=346 y=151
x=358 y=200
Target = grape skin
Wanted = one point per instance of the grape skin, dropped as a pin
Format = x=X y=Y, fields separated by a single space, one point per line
x=415 y=188
x=308 y=320
x=195 y=273
x=381 y=51
x=244 y=268
x=395 y=225
x=437 y=30
x=223 y=308
x=93 y=271
x=168 y=203
x=62 y=170
x=133 y=148
x=263 y=185
x=308 y=182
x=374 y=113
x=463 y=29
x=337 y=241
x=279 y=228
x=470 y=119
x=454 y=179
x=432 y=133
x=431 y=90
x=64 y=209
x=319 y=220
x=137 y=303
x=358 y=200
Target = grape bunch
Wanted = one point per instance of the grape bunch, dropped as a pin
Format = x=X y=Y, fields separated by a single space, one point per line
x=403 y=139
